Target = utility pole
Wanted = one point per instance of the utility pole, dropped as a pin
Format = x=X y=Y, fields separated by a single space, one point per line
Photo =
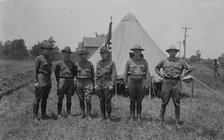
x=179 y=42
x=184 y=41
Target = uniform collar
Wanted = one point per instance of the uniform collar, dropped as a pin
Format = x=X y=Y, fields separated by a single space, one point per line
x=136 y=59
x=173 y=59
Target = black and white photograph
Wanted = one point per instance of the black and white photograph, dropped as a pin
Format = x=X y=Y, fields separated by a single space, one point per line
x=111 y=70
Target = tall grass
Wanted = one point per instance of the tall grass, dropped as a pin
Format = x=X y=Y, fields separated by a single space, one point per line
x=205 y=74
x=10 y=66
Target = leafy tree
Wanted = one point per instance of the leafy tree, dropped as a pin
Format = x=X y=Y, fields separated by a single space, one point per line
x=221 y=59
x=36 y=49
x=7 y=48
x=15 y=49
x=1 y=48
x=55 y=54
x=19 y=50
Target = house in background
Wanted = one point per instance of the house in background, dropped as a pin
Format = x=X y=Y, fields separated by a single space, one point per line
x=91 y=44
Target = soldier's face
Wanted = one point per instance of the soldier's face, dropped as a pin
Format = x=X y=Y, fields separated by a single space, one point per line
x=137 y=53
x=66 y=55
x=83 y=57
x=46 y=51
x=104 y=55
x=172 y=53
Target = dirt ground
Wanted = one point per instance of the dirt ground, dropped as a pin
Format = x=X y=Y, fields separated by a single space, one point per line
x=202 y=118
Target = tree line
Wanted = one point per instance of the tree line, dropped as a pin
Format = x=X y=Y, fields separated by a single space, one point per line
x=17 y=50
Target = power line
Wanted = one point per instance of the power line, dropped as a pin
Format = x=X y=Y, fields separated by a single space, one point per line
x=184 y=41
x=179 y=42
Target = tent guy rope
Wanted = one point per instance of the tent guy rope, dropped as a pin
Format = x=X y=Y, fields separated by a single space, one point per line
x=208 y=87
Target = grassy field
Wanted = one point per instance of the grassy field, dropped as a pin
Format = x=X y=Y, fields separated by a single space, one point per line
x=201 y=116
x=14 y=74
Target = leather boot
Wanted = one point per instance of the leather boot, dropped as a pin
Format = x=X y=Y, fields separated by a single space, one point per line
x=139 y=111
x=109 y=111
x=35 y=112
x=59 y=110
x=162 y=113
x=102 y=109
x=43 y=109
x=82 y=106
x=132 y=111
x=68 y=105
x=89 y=111
x=177 y=116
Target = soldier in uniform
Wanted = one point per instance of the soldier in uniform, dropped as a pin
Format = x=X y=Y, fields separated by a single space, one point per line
x=136 y=78
x=105 y=79
x=42 y=75
x=173 y=70
x=216 y=68
x=85 y=82
x=65 y=71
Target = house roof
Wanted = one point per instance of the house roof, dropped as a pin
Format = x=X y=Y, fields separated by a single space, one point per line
x=93 y=41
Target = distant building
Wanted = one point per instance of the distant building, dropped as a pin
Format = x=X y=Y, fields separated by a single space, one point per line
x=92 y=43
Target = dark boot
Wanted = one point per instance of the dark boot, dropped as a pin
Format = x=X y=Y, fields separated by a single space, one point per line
x=68 y=105
x=132 y=111
x=43 y=109
x=109 y=111
x=162 y=113
x=82 y=106
x=177 y=116
x=139 y=111
x=102 y=109
x=59 y=110
x=89 y=111
x=35 y=112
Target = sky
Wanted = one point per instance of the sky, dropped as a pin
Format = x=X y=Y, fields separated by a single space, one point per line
x=68 y=21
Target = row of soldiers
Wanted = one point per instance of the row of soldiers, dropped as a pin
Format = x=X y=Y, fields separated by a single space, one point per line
x=102 y=81
x=87 y=82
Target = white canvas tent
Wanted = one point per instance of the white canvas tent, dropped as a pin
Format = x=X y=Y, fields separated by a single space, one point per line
x=128 y=33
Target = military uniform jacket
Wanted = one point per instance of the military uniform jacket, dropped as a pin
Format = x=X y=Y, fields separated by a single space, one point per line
x=136 y=68
x=65 y=69
x=42 y=71
x=85 y=70
x=172 y=68
x=105 y=72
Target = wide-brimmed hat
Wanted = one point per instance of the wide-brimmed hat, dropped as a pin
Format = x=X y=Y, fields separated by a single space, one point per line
x=172 y=47
x=46 y=45
x=82 y=50
x=137 y=47
x=67 y=49
x=104 y=49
